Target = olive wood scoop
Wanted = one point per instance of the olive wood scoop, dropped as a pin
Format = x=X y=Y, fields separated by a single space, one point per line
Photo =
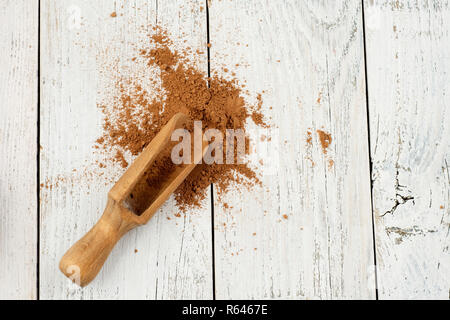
x=83 y=261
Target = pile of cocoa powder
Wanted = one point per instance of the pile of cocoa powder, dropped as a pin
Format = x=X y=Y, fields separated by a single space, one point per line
x=134 y=117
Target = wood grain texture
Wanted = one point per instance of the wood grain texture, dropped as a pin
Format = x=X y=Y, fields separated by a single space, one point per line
x=174 y=256
x=308 y=58
x=18 y=131
x=408 y=60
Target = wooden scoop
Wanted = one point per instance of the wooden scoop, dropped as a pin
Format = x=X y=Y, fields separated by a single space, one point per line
x=83 y=261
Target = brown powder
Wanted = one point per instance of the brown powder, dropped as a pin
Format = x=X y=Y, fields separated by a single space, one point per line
x=309 y=138
x=309 y=143
x=121 y=159
x=135 y=116
x=330 y=163
x=325 y=140
x=148 y=188
x=257 y=115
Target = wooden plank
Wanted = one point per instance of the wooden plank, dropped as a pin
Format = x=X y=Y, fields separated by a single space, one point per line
x=18 y=131
x=408 y=60
x=308 y=58
x=174 y=256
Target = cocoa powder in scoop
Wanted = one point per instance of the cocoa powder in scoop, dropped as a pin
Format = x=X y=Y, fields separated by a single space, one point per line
x=135 y=116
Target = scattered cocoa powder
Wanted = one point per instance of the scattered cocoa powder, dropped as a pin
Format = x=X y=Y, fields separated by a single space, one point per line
x=325 y=140
x=136 y=115
x=309 y=138
x=330 y=163
x=319 y=98
x=121 y=159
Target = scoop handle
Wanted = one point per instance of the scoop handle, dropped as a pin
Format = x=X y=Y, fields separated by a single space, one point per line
x=83 y=261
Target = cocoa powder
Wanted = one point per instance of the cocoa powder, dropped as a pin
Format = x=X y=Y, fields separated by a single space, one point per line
x=325 y=140
x=136 y=115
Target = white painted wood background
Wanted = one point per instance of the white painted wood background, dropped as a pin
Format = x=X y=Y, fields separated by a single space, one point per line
x=308 y=57
x=18 y=142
